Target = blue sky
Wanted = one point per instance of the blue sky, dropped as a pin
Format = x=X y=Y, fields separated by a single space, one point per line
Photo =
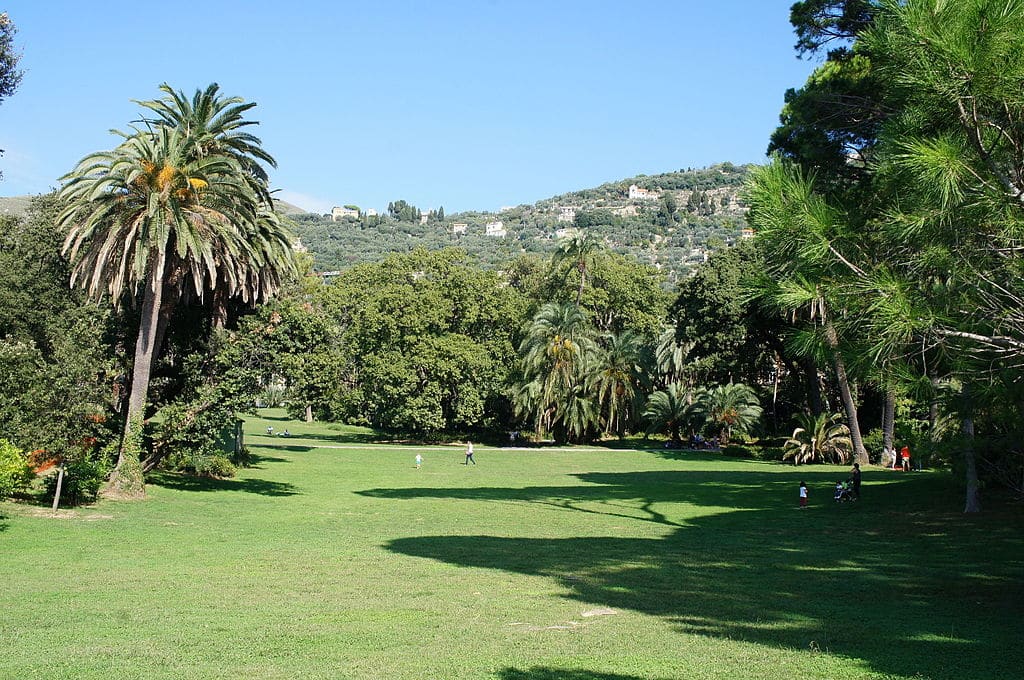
x=466 y=105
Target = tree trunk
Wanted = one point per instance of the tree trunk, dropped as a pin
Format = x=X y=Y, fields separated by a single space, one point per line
x=889 y=419
x=860 y=454
x=813 y=386
x=972 y=502
x=127 y=480
x=309 y=413
x=220 y=308
x=60 y=484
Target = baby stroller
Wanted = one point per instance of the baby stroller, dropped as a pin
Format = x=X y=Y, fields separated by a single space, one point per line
x=844 y=492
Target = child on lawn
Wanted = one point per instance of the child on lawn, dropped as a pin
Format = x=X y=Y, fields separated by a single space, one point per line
x=803 y=495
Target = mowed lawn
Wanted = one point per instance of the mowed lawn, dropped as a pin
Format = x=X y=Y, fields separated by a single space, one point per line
x=334 y=557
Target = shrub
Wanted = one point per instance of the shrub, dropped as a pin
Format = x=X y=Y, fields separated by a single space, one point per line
x=83 y=479
x=200 y=462
x=15 y=471
x=738 y=451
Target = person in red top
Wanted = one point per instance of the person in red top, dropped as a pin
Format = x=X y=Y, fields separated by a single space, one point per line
x=905 y=454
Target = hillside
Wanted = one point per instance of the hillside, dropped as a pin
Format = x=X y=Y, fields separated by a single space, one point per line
x=672 y=221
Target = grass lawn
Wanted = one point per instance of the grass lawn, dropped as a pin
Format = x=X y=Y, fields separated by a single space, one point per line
x=334 y=557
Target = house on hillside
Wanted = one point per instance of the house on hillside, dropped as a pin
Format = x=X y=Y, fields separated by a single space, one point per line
x=340 y=213
x=566 y=214
x=636 y=193
x=495 y=229
x=459 y=229
x=746 y=232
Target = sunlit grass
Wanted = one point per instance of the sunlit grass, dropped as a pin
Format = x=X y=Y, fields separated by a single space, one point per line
x=334 y=557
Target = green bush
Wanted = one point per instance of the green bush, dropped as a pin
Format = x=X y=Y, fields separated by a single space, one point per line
x=200 y=462
x=83 y=479
x=15 y=471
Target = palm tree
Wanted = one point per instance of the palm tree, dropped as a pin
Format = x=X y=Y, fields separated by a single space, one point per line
x=671 y=356
x=672 y=409
x=578 y=247
x=165 y=212
x=213 y=125
x=617 y=376
x=822 y=437
x=805 y=237
x=555 y=356
x=731 y=409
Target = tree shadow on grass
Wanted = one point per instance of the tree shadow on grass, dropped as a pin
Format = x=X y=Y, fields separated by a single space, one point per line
x=262 y=487
x=256 y=460
x=544 y=673
x=297 y=448
x=909 y=588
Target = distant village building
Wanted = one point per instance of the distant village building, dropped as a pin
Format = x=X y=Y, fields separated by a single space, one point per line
x=746 y=232
x=370 y=212
x=424 y=217
x=495 y=229
x=567 y=214
x=340 y=213
x=636 y=192
x=459 y=228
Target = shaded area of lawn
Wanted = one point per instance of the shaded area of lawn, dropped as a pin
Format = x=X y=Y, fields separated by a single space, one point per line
x=542 y=673
x=181 y=482
x=912 y=591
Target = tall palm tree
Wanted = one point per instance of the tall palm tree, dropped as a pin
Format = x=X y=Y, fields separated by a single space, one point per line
x=809 y=248
x=618 y=375
x=212 y=124
x=578 y=247
x=555 y=355
x=170 y=210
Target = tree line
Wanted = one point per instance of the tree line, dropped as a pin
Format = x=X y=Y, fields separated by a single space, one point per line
x=879 y=304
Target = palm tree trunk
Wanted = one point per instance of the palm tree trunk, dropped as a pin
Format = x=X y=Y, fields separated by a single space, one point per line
x=127 y=480
x=220 y=309
x=860 y=454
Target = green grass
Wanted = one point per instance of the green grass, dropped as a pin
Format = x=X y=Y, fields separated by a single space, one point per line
x=347 y=562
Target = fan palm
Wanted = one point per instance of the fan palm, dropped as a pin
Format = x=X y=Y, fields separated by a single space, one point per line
x=823 y=437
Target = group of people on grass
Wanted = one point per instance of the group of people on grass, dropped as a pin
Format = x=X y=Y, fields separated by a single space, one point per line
x=844 y=491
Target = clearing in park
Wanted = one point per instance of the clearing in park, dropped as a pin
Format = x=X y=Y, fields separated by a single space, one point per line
x=335 y=557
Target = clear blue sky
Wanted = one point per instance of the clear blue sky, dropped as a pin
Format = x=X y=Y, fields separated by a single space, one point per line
x=470 y=105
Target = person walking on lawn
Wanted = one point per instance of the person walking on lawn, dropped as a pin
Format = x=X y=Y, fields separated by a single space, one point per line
x=469 y=453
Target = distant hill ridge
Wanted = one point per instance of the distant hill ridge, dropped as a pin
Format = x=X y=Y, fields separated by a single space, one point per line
x=671 y=221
